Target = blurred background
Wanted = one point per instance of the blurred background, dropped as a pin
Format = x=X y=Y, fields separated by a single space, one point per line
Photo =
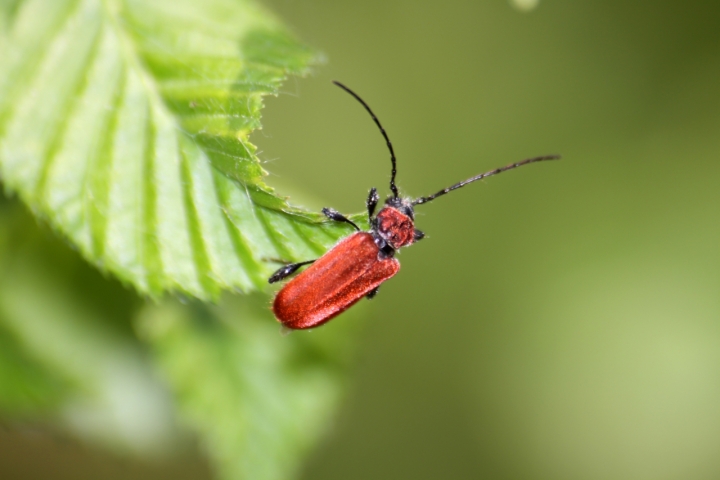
x=561 y=321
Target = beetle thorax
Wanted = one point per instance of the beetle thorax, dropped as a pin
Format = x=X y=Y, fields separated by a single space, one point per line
x=396 y=228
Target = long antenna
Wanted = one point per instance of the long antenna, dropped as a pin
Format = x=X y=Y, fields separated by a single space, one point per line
x=382 y=130
x=430 y=198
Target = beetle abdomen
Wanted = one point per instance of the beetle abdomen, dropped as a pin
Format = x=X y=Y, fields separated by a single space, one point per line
x=336 y=281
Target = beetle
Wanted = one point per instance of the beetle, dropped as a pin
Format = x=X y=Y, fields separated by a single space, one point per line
x=358 y=264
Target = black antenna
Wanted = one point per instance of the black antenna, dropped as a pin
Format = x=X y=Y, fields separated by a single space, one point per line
x=422 y=200
x=382 y=130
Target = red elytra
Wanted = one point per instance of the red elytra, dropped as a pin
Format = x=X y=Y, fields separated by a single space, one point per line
x=335 y=282
x=358 y=264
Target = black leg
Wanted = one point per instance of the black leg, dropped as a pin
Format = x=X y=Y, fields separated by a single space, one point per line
x=419 y=235
x=371 y=294
x=338 y=217
x=286 y=271
x=372 y=202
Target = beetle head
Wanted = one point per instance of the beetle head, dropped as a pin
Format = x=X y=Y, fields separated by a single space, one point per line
x=395 y=223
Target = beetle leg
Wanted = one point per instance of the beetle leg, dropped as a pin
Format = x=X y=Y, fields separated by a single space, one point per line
x=371 y=294
x=372 y=202
x=286 y=271
x=333 y=214
x=419 y=235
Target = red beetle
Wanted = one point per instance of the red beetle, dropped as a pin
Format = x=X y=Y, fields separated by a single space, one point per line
x=358 y=264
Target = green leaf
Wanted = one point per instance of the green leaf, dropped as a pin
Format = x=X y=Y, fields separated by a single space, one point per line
x=258 y=399
x=70 y=354
x=125 y=123
x=67 y=350
x=26 y=387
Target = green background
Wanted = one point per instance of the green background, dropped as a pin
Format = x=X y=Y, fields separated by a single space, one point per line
x=561 y=321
